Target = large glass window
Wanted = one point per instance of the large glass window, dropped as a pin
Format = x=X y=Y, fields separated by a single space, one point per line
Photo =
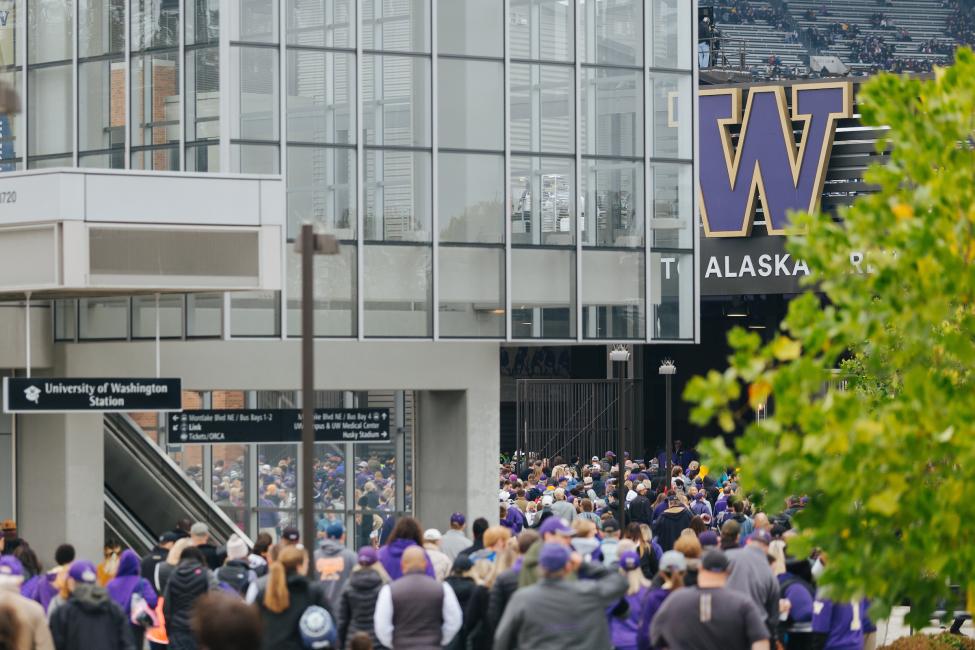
x=10 y=34
x=471 y=197
x=104 y=318
x=612 y=112
x=613 y=295
x=322 y=23
x=335 y=293
x=672 y=125
x=612 y=31
x=255 y=313
x=396 y=100
x=321 y=97
x=202 y=96
x=157 y=159
x=398 y=195
x=672 y=218
x=397 y=291
x=472 y=27
x=155 y=23
x=101 y=105
x=401 y=25
x=50 y=31
x=542 y=201
x=202 y=21
x=541 y=30
x=257 y=74
x=321 y=189
x=543 y=291
x=672 y=30
x=255 y=158
x=542 y=108
x=49 y=100
x=204 y=315
x=612 y=212
x=11 y=126
x=471 y=104
x=170 y=316
x=101 y=27
x=471 y=291
x=254 y=21
x=672 y=295
x=155 y=98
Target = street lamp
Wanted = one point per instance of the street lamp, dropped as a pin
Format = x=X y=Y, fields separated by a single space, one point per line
x=309 y=244
x=668 y=370
x=620 y=355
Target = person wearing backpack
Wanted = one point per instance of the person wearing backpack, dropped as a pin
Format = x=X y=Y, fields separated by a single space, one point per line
x=188 y=581
x=133 y=593
x=286 y=599
x=236 y=571
x=797 y=627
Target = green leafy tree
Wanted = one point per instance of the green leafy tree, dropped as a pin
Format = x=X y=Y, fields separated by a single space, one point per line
x=887 y=455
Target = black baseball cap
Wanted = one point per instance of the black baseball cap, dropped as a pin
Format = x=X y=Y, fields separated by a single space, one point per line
x=291 y=534
x=715 y=560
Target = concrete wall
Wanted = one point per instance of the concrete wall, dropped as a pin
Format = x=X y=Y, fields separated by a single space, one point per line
x=60 y=472
x=60 y=469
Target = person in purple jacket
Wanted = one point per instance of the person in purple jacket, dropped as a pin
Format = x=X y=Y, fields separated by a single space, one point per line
x=405 y=533
x=673 y=565
x=797 y=626
x=623 y=630
x=128 y=581
x=843 y=625
x=41 y=588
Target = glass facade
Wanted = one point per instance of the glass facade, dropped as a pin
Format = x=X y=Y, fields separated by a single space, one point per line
x=493 y=169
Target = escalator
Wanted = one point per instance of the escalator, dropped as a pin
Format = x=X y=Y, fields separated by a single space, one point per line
x=146 y=493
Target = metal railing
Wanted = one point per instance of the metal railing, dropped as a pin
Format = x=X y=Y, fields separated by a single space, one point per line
x=567 y=418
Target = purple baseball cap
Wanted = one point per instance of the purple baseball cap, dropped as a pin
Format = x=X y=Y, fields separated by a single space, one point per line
x=708 y=538
x=10 y=566
x=629 y=560
x=761 y=536
x=368 y=556
x=83 y=571
x=554 y=525
x=553 y=557
x=458 y=518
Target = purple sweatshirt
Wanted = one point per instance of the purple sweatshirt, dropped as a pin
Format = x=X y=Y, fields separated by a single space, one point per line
x=391 y=557
x=127 y=581
x=844 y=628
x=648 y=609
x=801 y=599
x=41 y=588
x=623 y=631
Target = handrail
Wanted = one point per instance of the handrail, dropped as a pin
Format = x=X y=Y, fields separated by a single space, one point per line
x=125 y=525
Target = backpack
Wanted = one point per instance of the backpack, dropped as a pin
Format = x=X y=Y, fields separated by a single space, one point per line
x=235 y=577
x=140 y=614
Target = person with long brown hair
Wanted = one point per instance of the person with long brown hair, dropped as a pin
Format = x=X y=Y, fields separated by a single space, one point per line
x=406 y=533
x=22 y=621
x=287 y=595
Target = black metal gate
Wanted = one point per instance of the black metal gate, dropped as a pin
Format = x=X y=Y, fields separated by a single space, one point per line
x=577 y=417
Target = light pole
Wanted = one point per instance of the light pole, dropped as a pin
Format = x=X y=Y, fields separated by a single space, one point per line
x=668 y=370
x=309 y=244
x=619 y=355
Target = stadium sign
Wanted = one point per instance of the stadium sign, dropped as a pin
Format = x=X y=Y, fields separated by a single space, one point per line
x=767 y=162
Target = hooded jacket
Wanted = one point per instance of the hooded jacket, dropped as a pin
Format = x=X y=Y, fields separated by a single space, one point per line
x=128 y=581
x=357 y=604
x=557 y=614
x=670 y=524
x=623 y=631
x=391 y=557
x=35 y=633
x=41 y=588
x=188 y=581
x=334 y=564
x=90 y=619
x=281 y=630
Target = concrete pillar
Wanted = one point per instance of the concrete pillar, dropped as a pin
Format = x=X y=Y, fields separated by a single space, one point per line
x=60 y=483
x=458 y=440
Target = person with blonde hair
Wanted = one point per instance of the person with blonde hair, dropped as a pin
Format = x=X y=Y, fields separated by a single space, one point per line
x=495 y=540
x=286 y=597
x=690 y=547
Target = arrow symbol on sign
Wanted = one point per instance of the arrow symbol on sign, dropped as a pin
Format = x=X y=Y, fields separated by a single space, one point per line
x=384 y=416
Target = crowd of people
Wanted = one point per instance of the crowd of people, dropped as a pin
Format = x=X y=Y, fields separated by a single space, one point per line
x=609 y=553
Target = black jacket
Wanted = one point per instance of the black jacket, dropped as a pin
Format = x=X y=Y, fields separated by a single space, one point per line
x=236 y=574
x=477 y=627
x=212 y=555
x=504 y=585
x=357 y=604
x=148 y=565
x=281 y=630
x=670 y=524
x=90 y=619
x=464 y=589
x=641 y=510
x=188 y=581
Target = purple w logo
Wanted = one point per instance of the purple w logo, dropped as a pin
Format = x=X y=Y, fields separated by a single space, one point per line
x=767 y=161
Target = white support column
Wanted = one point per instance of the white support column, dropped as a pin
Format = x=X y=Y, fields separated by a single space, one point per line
x=181 y=82
x=435 y=182
x=74 y=87
x=22 y=37
x=283 y=153
x=647 y=176
x=695 y=71
x=360 y=154
x=27 y=331
x=507 y=174
x=158 y=358
x=225 y=85
x=128 y=85
x=576 y=16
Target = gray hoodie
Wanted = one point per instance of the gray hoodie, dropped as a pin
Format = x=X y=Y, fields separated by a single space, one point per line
x=333 y=565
